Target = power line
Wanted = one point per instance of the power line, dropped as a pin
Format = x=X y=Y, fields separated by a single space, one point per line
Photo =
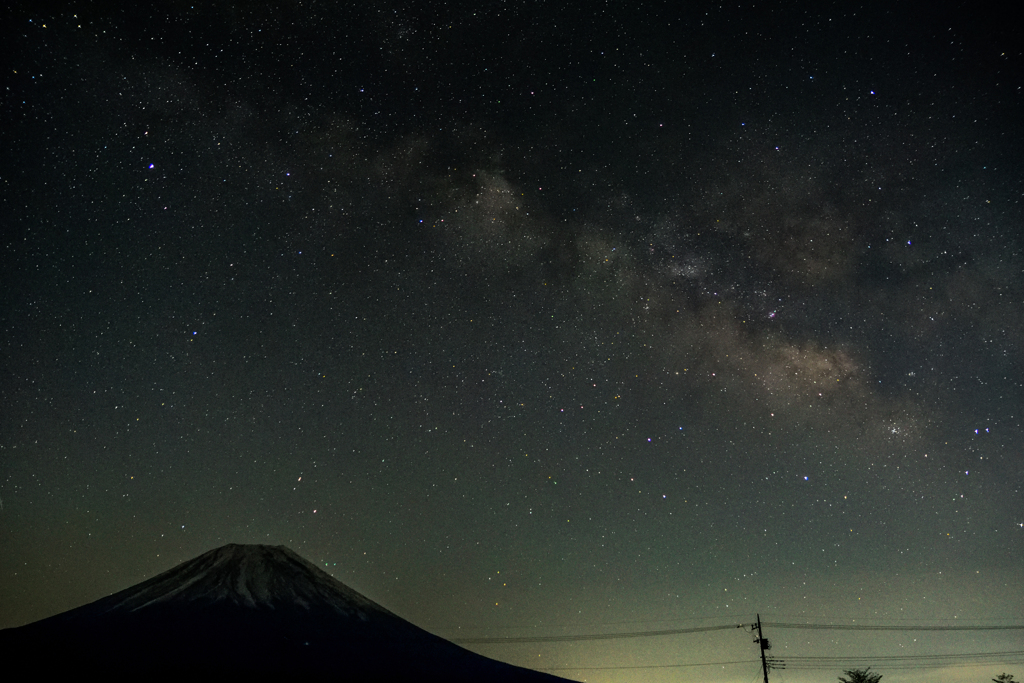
x=881 y=658
x=825 y=617
x=858 y=627
x=706 y=629
x=890 y=662
x=934 y=661
x=593 y=636
x=649 y=666
x=952 y=663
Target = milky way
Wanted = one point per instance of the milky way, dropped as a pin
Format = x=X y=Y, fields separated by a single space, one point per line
x=525 y=320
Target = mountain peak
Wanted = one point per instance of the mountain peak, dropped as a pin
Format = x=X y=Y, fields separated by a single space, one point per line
x=255 y=576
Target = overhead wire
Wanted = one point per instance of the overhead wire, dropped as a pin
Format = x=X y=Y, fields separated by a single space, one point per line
x=953 y=664
x=706 y=629
x=881 y=658
x=788 y=662
x=824 y=663
x=594 y=636
x=861 y=627
x=647 y=666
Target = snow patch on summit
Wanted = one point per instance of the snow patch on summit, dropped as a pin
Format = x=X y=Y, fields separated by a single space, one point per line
x=255 y=576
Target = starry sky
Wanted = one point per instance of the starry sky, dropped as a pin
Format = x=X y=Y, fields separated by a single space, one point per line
x=526 y=319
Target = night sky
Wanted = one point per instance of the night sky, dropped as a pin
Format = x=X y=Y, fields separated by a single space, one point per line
x=526 y=318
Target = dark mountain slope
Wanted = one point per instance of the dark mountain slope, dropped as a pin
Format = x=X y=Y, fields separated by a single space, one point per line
x=246 y=610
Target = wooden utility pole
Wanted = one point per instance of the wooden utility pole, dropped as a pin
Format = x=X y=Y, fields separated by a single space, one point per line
x=765 y=645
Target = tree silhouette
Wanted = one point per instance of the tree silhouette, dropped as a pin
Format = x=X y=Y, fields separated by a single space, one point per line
x=861 y=676
x=1003 y=678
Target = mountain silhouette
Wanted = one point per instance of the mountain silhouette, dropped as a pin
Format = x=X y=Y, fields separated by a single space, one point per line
x=246 y=610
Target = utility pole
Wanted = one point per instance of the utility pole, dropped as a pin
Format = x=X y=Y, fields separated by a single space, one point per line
x=765 y=645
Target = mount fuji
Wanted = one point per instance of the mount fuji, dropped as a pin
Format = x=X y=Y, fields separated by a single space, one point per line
x=246 y=610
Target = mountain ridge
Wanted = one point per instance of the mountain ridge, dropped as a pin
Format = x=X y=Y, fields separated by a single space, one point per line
x=257 y=610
